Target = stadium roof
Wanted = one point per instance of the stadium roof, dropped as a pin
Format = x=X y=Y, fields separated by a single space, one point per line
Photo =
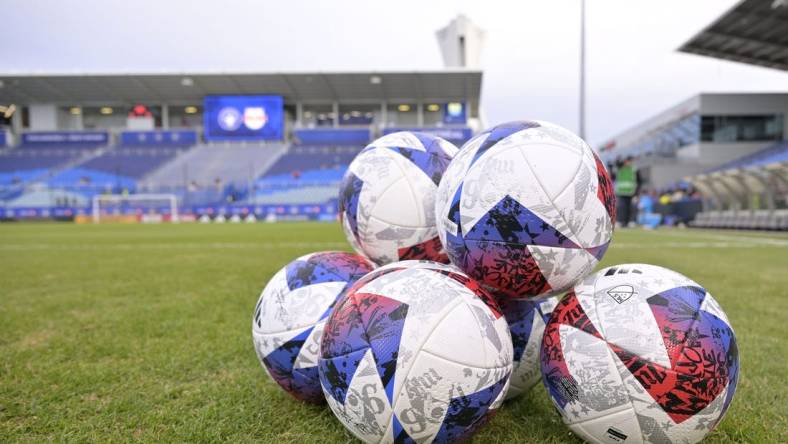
x=753 y=31
x=457 y=84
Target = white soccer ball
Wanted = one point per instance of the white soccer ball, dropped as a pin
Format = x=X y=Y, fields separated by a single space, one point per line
x=415 y=352
x=639 y=353
x=387 y=197
x=291 y=312
x=526 y=319
x=526 y=208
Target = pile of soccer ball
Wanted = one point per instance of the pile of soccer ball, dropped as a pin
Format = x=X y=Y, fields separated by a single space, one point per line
x=474 y=248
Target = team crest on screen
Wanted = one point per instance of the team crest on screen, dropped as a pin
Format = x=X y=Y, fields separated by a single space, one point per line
x=255 y=118
x=229 y=119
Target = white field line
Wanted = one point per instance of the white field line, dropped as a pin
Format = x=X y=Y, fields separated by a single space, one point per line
x=732 y=238
x=212 y=246
x=699 y=245
x=207 y=246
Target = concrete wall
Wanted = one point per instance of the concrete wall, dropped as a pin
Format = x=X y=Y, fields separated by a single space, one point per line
x=714 y=154
x=68 y=121
x=43 y=117
x=663 y=175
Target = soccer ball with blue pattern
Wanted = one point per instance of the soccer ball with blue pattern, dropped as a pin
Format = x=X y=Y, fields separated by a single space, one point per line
x=526 y=319
x=638 y=353
x=526 y=208
x=387 y=197
x=416 y=351
x=290 y=315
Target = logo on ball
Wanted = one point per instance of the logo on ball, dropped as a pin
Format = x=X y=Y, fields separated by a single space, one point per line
x=621 y=293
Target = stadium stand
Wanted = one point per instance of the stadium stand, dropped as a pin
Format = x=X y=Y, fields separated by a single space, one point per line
x=127 y=164
x=773 y=154
x=48 y=198
x=746 y=193
x=304 y=175
x=202 y=165
x=27 y=163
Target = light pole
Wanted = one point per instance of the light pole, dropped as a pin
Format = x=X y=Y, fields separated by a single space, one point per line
x=582 y=111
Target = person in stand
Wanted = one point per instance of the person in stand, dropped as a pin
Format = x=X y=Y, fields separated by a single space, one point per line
x=626 y=185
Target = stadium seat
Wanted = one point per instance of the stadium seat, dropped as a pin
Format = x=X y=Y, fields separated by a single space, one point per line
x=205 y=163
x=304 y=175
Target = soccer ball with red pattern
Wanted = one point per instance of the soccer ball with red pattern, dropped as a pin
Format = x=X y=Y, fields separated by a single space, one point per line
x=638 y=353
x=415 y=352
x=526 y=208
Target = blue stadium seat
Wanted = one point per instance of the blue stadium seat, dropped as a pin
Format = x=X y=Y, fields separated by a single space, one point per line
x=304 y=175
x=772 y=154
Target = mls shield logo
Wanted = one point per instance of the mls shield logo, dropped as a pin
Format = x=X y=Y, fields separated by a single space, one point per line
x=621 y=293
x=228 y=119
x=255 y=118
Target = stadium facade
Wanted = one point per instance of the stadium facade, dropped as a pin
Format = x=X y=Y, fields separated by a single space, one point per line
x=223 y=144
x=164 y=101
x=732 y=148
x=701 y=133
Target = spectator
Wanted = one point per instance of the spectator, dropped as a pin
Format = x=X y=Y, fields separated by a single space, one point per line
x=626 y=184
x=647 y=217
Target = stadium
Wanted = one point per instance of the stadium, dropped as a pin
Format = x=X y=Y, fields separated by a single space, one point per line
x=142 y=212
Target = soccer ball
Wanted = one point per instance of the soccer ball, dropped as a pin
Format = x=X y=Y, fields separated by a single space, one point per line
x=526 y=208
x=415 y=351
x=387 y=197
x=290 y=315
x=639 y=353
x=526 y=319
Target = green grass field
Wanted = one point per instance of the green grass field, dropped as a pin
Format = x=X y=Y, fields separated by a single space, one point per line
x=143 y=333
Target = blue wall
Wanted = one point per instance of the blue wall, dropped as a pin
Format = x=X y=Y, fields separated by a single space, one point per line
x=44 y=138
x=455 y=135
x=332 y=136
x=159 y=138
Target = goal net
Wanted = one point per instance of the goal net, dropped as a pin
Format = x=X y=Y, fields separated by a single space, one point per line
x=135 y=208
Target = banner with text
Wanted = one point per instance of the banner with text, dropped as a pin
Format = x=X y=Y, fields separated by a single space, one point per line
x=66 y=138
x=159 y=138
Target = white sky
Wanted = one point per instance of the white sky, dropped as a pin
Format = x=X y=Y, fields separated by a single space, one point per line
x=530 y=58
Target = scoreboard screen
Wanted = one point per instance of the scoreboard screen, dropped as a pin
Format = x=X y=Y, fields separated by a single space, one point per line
x=243 y=117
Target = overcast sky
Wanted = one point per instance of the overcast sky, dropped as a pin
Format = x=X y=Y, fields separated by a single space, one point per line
x=530 y=60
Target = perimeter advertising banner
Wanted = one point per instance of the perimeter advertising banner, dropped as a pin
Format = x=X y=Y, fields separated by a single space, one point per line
x=243 y=117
